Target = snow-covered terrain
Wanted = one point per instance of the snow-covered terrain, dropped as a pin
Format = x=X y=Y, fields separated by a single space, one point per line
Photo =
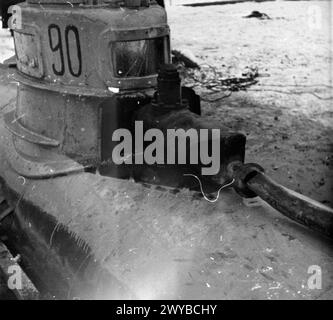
x=6 y=45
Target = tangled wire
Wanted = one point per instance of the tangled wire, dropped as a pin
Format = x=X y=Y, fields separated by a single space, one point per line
x=208 y=78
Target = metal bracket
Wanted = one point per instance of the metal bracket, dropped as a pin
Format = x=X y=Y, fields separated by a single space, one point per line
x=5 y=213
x=8 y=209
x=16 y=128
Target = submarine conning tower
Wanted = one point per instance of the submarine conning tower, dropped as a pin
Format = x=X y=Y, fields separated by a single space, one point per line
x=74 y=61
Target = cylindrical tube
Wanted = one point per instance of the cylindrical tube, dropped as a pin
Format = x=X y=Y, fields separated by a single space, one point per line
x=168 y=85
x=295 y=206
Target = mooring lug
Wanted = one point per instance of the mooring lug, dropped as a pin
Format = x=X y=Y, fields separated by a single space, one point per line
x=193 y=100
x=242 y=173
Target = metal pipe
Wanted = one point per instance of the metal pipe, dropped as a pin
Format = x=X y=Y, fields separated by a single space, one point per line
x=295 y=206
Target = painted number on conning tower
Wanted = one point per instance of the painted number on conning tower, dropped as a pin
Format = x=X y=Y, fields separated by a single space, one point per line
x=72 y=48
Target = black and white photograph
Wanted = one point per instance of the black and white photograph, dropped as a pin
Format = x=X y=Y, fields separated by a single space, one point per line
x=166 y=155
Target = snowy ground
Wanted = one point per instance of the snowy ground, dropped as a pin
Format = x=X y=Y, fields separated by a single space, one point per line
x=6 y=45
x=287 y=116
